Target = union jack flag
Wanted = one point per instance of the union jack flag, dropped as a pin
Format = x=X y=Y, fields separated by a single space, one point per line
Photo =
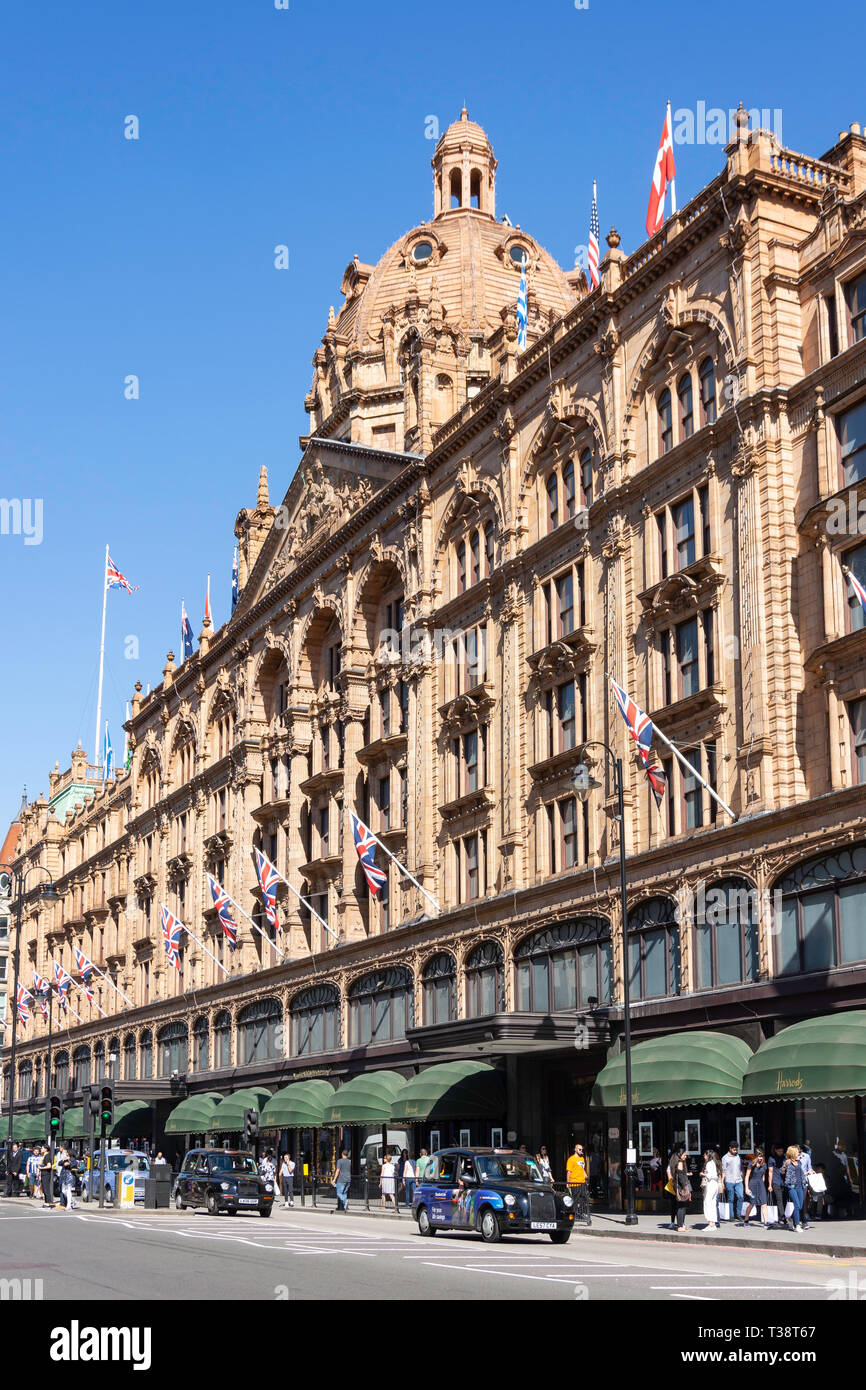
x=64 y=985
x=640 y=726
x=268 y=880
x=592 y=256
x=114 y=579
x=365 y=844
x=85 y=970
x=221 y=902
x=171 y=930
x=21 y=999
x=858 y=588
x=41 y=989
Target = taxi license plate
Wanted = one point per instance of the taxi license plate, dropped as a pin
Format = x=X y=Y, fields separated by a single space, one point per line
x=544 y=1226
x=248 y=1201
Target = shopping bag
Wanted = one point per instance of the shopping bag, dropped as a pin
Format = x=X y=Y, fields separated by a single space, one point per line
x=817 y=1182
x=772 y=1214
x=724 y=1211
x=789 y=1210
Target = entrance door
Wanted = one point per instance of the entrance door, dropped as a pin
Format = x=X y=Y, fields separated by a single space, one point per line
x=591 y=1131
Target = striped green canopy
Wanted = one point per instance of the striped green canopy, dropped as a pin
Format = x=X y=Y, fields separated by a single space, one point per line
x=823 y=1056
x=365 y=1100
x=194 y=1115
x=688 y=1068
x=452 y=1091
x=228 y=1117
x=299 y=1106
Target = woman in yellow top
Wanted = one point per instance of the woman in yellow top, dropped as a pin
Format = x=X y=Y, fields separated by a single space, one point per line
x=575 y=1168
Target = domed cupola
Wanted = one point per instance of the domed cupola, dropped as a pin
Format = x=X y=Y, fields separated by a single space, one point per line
x=464 y=169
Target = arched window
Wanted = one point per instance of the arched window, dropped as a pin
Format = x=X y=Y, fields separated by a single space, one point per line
x=484 y=980
x=443 y=398
x=61 y=1071
x=200 y=1039
x=707 y=377
x=563 y=967
x=654 y=949
x=666 y=422
x=586 y=477
x=819 y=911
x=726 y=933
x=260 y=1031
x=114 y=1058
x=173 y=1048
x=129 y=1057
x=146 y=1055
x=80 y=1068
x=568 y=504
x=552 y=489
x=475 y=188
x=99 y=1070
x=222 y=1040
x=380 y=1007
x=456 y=188
x=315 y=1020
x=687 y=413
x=489 y=548
x=461 y=568
x=439 y=989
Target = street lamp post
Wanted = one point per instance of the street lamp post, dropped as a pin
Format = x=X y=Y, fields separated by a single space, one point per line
x=49 y=894
x=583 y=784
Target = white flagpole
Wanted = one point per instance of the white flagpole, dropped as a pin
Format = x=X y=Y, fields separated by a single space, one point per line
x=403 y=868
x=101 y=659
x=309 y=905
x=82 y=990
x=126 y=737
x=113 y=985
x=204 y=948
x=694 y=772
x=673 y=180
x=255 y=926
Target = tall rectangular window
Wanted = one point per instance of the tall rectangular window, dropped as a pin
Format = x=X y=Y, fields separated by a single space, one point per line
x=475 y=553
x=687 y=657
x=709 y=644
x=857 y=712
x=684 y=533
x=385 y=803
x=568 y=815
x=470 y=845
x=568 y=489
x=852 y=438
x=565 y=603
x=565 y=709
x=552 y=501
x=692 y=817
x=855 y=295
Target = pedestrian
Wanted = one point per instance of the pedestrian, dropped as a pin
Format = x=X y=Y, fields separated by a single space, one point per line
x=818 y=1190
x=342 y=1178
x=755 y=1187
x=409 y=1179
x=422 y=1165
x=160 y=1158
x=670 y=1184
x=46 y=1177
x=543 y=1160
x=682 y=1188
x=268 y=1170
x=13 y=1174
x=655 y=1169
x=388 y=1180
x=398 y=1161
x=805 y=1161
x=711 y=1182
x=732 y=1175
x=66 y=1179
x=792 y=1177
x=839 y=1182
x=287 y=1180
x=32 y=1172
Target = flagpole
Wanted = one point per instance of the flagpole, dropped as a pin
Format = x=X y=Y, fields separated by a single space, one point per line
x=255 y=926
x=82 y=990
x=310 y=907
x=204 y=948
x=402 y=867
x=674 y=179
x=693 y=771
x=113 y=985
x=101 y=658
x=126 y=737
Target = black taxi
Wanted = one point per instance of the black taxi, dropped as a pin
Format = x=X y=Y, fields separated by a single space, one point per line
x=494 y=1192
x=222 y=1180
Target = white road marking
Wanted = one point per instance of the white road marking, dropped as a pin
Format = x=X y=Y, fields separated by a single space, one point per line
x=698 y=1297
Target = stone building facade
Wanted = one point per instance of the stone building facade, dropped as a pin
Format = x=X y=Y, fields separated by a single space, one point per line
x=475 y=539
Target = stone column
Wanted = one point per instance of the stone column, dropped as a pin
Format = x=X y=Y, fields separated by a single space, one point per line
x=350 y=922
x=828 y=585
x=837 y=771
x=299 y=747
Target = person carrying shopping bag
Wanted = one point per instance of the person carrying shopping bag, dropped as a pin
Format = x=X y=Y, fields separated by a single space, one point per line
x=792 y=1178
x=711 y=1182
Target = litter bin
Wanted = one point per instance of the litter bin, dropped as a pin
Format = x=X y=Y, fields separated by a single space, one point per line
x=157 y=1188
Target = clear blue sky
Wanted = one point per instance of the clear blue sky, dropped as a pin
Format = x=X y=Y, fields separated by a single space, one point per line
x=261 y=126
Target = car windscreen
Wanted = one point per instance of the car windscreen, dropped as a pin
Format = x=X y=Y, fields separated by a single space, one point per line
x=233 y=1163
x=508 y=1169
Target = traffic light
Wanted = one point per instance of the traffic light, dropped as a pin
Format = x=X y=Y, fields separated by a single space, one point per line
x=93 y=1102
x=53 y=1118
x=251 y=1128
x=106 y=1106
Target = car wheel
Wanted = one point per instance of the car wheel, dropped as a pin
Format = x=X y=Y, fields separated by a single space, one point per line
x=489 y=1226
x=178 y=1202
x=265 y=1211
x=560 y=1237
x=425 y=1225
x=211 y=1204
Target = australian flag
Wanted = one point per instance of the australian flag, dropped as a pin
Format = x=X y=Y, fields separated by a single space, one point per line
x=64 y=985
x=85 y=970
x=41 y=989
x=171 y=930
x=365 y=844
x=221 y=902
x=268 y=880
x=640 y=726
x=185 y=631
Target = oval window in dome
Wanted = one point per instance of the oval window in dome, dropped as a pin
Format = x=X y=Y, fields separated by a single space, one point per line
x=518 y=254
x=422 y=251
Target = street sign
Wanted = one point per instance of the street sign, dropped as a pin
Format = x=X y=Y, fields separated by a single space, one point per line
x=127 y=1189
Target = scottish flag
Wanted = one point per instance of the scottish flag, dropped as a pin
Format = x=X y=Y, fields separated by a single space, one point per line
x=521 y=307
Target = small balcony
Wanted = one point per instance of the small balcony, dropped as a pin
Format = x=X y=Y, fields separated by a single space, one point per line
x=323 y=782
x=389 y=746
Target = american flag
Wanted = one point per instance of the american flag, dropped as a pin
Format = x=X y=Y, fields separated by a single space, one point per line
x=640 y=726
x=221 y=902
x=592 y=257
x=64 y=985
x=171 y=930
x=268 y=880
x=21 y=999
x=365 y=844
x=85 y=970
x=521 y=307
x=858 y=588
x=114 y=579
x=41 y=988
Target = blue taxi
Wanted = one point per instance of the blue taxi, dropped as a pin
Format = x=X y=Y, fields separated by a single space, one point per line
x=493 y=1192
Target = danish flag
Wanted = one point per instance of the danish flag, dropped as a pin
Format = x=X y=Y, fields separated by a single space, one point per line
x=85 y=970
x=268 y=880
x=640 y=726
x=64 y=985
x=171 y=930
x=663 y=174
x=221 y=902
x=365 y=844
x=21 y=999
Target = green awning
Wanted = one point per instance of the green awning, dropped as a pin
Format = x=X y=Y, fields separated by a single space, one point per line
x=452 y=1091
x=687 y=1068
x=299 y=1106
x=228 y=1117
x=365 y=1100
x=823 y=1056
x=73 y=1123
x=131 y=1119
x=27 y=1128
x=194 y=1115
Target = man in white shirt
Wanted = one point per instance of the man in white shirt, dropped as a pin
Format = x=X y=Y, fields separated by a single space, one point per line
x=732 y=1173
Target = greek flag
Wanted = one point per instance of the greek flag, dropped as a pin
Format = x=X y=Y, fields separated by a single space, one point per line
x=521 y=308
x=107 y=754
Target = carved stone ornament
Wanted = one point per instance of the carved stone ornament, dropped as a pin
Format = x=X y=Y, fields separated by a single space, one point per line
x=608 y=342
